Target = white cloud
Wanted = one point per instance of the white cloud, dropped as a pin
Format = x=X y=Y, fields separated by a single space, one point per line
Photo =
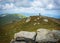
x=41 y=3
x=26 y=10
x=37 y=6
x=10 y=1
x=8 y=6
x=22 y=3
x=50 y=6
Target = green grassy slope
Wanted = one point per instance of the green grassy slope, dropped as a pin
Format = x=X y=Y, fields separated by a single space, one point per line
x=7 y=31
x=9 y=18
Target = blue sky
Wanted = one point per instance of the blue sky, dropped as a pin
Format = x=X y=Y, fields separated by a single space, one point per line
x=31 y=7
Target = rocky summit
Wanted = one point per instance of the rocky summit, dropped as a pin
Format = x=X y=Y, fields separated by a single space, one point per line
x=28 y=24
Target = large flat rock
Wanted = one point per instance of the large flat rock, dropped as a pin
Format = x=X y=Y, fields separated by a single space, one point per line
x=45 y=35
x=25 y=34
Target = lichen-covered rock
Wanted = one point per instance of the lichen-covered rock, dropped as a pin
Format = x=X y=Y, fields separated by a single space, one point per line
x=28 y=19
x=38 y=18
x=25 y=34
x=57 y=33
x=41 y=36
x=38 y=23
x=34 y=24
x=14 y=41
x=45 y=35
x=46 y=20
x=26 y=40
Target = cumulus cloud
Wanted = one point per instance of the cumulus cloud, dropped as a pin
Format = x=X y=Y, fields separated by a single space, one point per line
x=8 y=6
x=49 y=4
x=29 y=6
x=38 y=3
x=22 y=3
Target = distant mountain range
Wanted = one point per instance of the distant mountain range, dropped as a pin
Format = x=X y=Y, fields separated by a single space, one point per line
x=31 y=23
x=9 y=18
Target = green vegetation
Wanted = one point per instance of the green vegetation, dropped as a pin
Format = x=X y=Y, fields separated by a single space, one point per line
x=9 y=18
x=8 y=30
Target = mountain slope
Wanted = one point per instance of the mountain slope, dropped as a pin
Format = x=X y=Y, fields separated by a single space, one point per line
x=9 y=18
x=31 y=23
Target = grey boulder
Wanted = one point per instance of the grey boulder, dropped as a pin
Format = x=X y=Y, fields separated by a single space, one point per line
x=45 y=35
x=25 y=34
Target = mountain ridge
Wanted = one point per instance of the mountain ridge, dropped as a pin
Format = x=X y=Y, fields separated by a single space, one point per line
x=31 y=23
x=9 y=18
